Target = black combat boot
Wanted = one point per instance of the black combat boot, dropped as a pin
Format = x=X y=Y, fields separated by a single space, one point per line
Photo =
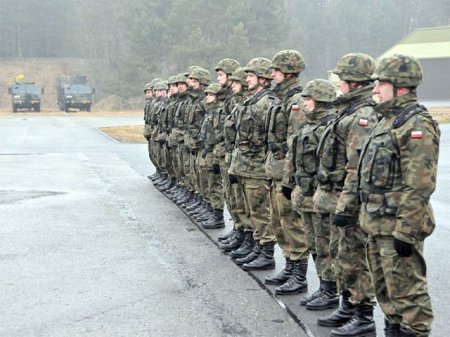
x=297 y=282
x=184 y=198
x=154 y=176
x=283 y=275
x=340 y=316
x=245 y=248
x=328 y=298
x=264 y=261
x=391 y=329
x=227 y=235
x=216 y=220
x=195 y=204
x=206 y=215
x=361 y=325
x=253 y=255
x=170 y=183
x=161 y=179
x=313 y=296
x=237 y=241
x=191 y=201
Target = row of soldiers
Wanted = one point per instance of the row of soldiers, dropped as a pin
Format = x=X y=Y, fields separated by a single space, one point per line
x=342 y=179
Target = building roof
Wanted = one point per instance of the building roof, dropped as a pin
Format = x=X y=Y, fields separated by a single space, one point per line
x=424 y=43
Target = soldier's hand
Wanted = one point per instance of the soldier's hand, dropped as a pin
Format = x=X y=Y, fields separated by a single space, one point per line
x=342 y=220
x=216 y=168
x=287 y=191
x=161 y=142
x=403 y=248
x=233 y=179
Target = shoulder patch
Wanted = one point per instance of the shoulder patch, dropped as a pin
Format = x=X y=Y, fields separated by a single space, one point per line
x=363 y=122
x=416 y=134
x=295 y=107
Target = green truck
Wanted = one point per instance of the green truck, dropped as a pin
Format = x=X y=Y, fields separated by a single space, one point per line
x=73 y=92
x=26 y=96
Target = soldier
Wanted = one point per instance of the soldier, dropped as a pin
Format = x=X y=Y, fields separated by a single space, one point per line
x=397 y=175
x=339 y=155
x=247 y=165
x=149 y=100
x=210 y=137
x=235 y=192
x=319 y=111
x=285 y=118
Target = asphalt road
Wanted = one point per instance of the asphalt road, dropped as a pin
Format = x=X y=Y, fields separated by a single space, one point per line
x=91 y=248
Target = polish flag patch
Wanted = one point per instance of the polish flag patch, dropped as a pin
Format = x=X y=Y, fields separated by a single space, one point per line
x=416 y=134
x=363 y=122
x=295 y=107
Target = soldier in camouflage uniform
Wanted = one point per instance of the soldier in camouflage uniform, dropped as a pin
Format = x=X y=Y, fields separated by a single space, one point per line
x=235 y=192
x=397 y=175
x=210 y=138
x=247 y=166
x=149 y=100
x=319 y=111
x=339 y=155
x=284 y=120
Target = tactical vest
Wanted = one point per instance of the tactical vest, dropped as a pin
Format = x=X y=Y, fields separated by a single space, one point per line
x=179 y=119
x=195 y=113
x=379 y=169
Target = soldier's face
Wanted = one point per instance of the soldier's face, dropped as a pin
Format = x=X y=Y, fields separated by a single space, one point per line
x=210 y=97
x=222 y=78
x=182 y=87
x=194 y=84
x=148 y=94
x=277 y=76
x=344 y=86
x=309 y=104
x=173 y=89
x=252 y=81
x=384 y=91
x=236 y=87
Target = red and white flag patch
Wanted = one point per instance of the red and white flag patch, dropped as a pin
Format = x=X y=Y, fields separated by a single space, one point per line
x=295 y=107
x=363 y=122
x=416 y=134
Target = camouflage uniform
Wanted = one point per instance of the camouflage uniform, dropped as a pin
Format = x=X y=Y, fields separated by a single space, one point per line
x=397 y=175
x=154 y=119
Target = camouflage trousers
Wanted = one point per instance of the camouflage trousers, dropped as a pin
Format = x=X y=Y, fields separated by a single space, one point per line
x=200 y=176
x=167 y=161
x=312 y=224
x=234 y=200
x=280 y=216
x=350 y=263
x=400 y=284
x=151 y=155
x=256 y=194
x=187 y=169
x=215 y=190
x=324 y=249
x=177 y=163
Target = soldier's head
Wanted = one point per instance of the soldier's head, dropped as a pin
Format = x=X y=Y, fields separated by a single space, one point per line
x=211 y=92
x=152 y=84
x=258 y=74
x=181 y=83
x=286 y=64
x=318 y=93
x=172 y=82
x=188 y=72
x=199 y=77
x=160 y=89
x=238 y=80
x=224 y=69
x=148 y=92
x=396 y=75
x=354 y=71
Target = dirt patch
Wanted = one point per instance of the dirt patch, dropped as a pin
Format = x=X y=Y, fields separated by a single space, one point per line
x=126 y=134
x=73 y=113
x=441 y=114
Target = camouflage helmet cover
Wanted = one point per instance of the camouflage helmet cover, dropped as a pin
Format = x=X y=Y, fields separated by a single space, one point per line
x=400 y=70
x=202 y=75
x=189 y=70
x=320 y=90
x=288 y=62
x=213 y=88
x=161 y=86
x=239 y=75
x=154 y=81
x=148 y=87
x=172 y=80
x=260 y=66
x=227 y=65
x=181 y=78
x=356 y=67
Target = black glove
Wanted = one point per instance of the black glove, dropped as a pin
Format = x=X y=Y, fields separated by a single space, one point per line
x=233 y=179
x=216 y=168
x=287 y=191
x=342 y=220
x=161 y=142
x=403 y=248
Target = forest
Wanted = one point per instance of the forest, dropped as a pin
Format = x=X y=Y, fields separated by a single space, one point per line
x=133 y=41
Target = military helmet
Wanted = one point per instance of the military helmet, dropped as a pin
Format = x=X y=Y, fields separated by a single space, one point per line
x=356 y=67
x=288 y=62
x=181 y=78
x=213 y=88
x=172 y=80
x=189 y=70
x=154 y=81
x=161 y=86
x=202 y=75
x=320 y=90
x=260 y=66
x=147 y=87
x=239 y=75
x=227 y=65
x=400 y=70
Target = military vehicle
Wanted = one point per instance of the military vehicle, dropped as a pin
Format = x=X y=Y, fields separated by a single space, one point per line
x=73 y=92
x=26 y=96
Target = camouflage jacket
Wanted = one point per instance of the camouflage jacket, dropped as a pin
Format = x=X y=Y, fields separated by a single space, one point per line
x=340 y=147
x=211 y=131
x=147 y=110
x=229 y=126
x=251 y=139
x=178 y=120
x=304 y=161
x=397 y=172
x=195 y=110
x=166 y=117
x=284 y=118
x=155 y=115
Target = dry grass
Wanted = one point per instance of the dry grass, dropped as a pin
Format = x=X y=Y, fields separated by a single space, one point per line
x=71 y=113
x=126 y=134
x=441 y=114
